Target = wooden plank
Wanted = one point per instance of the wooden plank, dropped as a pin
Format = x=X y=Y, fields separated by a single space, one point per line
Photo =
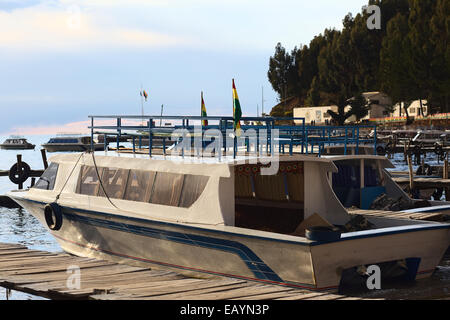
x=244 y=292
x=11 y=245
x=54 y=267
x=325 y=297
x=197 y=294
x=301 y=295
x=350 y=298
x=266 y=296
x=86 y=273
x=213 y=293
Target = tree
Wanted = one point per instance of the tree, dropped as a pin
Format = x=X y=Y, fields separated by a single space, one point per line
x=394 y=62
x=421 y=56
x=408 y=59
x=313 y=98
x=282 y=73
x=359 y=107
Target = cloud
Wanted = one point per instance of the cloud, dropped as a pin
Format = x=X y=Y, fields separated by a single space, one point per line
x=56 y=26
x=78 y=127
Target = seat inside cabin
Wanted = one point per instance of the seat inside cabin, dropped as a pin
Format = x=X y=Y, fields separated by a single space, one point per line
x=273 y=203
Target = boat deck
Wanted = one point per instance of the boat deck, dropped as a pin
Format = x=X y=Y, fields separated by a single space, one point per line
x=46 y=274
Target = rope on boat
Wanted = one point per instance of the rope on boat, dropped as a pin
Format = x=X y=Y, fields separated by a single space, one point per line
x=65 y=183
x=110 y=201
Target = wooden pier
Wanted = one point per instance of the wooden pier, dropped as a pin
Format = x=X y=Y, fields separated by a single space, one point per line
x=423 y=183
x=48 y=275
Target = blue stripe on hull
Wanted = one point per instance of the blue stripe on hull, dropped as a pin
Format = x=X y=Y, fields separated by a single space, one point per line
x=254 y=263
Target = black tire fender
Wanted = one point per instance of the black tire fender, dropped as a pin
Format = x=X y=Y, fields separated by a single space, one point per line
x=322 y=234
x=53 y=216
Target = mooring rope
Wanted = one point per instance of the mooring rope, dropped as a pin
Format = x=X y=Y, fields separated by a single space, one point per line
x=65 y=183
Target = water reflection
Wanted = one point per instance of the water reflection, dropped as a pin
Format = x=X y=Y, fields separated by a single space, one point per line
x=19 y=226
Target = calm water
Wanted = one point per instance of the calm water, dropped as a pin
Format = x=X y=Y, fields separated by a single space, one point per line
x=18 y=226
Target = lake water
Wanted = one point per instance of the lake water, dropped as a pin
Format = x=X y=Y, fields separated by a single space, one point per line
x=18 y=226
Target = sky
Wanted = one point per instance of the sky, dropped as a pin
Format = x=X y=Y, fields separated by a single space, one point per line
x=62 y=60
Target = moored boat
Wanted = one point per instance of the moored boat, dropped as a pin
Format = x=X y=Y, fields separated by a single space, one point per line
x=65 y=143
x=361 y=179
x=16 y=143
x=222 y=218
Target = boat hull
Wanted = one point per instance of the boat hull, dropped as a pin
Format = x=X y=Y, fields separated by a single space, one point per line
x=210 y=252
x=71 y=147
x=17 y=147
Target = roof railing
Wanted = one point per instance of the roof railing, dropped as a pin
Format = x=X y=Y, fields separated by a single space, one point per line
x=270 y=131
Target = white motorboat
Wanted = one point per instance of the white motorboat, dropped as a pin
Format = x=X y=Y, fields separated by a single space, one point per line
x=361 y=179
x=223 y=218
x=16 y=143
x=71 y=143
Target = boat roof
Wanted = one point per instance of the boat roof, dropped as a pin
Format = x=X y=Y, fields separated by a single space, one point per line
x=179 y=164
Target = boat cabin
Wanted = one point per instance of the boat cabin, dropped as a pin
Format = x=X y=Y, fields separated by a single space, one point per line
x=70 y=140
x=230 y=193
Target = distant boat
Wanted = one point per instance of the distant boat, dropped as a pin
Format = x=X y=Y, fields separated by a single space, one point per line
x=16 y=143
x=71 y=143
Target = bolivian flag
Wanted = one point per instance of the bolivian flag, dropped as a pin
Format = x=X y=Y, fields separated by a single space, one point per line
x=203 y=113
x=237 y=112
x=144 y=94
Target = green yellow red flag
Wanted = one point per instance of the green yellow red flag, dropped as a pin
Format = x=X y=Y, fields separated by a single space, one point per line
x=237 y=112
x=203 y=112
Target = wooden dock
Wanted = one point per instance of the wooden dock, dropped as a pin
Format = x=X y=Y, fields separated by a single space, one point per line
x=46 y=275
x=424 y=183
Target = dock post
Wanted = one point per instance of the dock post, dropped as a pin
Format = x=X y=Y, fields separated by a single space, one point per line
x=19 y=165
x=92 y=134
x=346 y=139
x=445 y=176
x=44 y=158
x=119 y=125
x=411 y=174
x=134 y=144
x=357 y=141
x=150 y=136
x=164 y=146
x=375 y=140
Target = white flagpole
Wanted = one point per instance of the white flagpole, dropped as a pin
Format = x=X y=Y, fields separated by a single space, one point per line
x=142 y=104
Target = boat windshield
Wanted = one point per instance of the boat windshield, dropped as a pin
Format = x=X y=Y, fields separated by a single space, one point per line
x=59 y=140
x=48 y=178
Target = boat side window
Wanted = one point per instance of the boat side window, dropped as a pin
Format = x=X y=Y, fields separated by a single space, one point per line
x=114 y=182
x=170 y=189
x=48 y=178
x=193 y=187
x=88 y=183
x=139 y=185
x=270 y=188
x=286 y=185
x=167 y=188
